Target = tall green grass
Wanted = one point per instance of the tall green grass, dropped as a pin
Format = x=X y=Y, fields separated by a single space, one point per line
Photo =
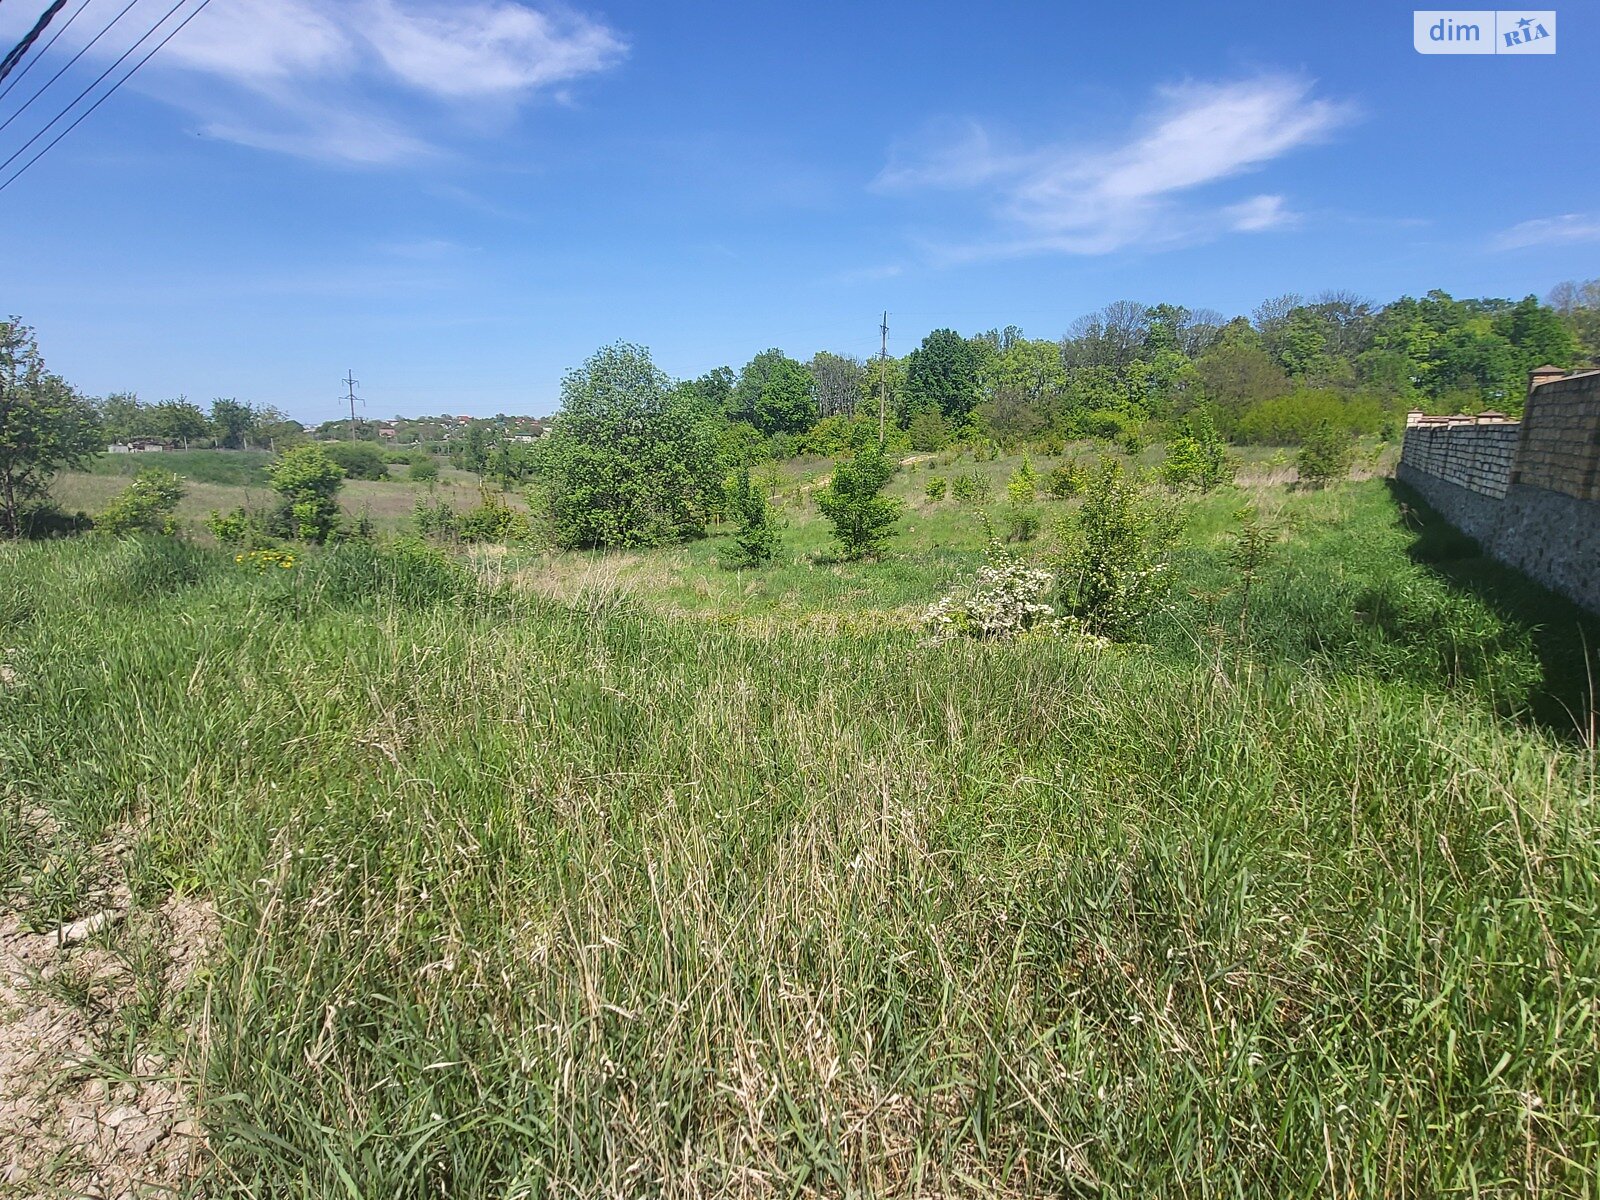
x=237 y=468
x=528 y=898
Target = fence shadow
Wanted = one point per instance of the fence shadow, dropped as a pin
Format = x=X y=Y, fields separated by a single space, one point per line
x=1565 y=638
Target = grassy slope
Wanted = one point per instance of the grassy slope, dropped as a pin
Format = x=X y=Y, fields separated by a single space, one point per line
x=532 y=895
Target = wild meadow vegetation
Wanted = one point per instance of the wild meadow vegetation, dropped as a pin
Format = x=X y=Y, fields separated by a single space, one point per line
x=1061 y=815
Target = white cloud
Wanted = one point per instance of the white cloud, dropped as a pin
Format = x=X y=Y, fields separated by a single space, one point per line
x=350 y=138
x=1259 y=214
x=256 y=41
x=489 y=49
x=1550 y=231
x=1080 y=200
x=957 y=155
x=364 y=82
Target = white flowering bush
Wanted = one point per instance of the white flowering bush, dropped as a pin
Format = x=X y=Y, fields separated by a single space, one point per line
x=1005 y=599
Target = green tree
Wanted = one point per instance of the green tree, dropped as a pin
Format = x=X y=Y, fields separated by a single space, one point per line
x=928 y=430
x=1197 y=457
x=1578 y=304
x=307 y=482
x=232 y=422
x=180 y=421
x=44 y=425
x=756 y=541
x=1023 y=384
x=883 y=387
x=942 y=375
x=1237 y=373
x=715 y=387
x=1538 y=334
x=278 y=429
x=147 y=505
x=123 y=417
x=774 y=393
x=475 y=451
x=853 y=502
x=630 y=460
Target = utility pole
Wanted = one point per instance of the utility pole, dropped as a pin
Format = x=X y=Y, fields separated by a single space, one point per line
x=350 y=382
x=883 y=377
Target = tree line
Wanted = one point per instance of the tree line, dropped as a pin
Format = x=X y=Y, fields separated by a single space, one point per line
x=1290 y=367
x=231 y=424
x=635 y=457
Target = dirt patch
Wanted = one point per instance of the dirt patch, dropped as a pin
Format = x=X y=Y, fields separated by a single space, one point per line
x=87 y=1108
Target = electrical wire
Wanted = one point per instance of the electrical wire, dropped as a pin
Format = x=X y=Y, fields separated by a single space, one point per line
x=9 y=63
x=64 y=69
x=82 y=116
x=21 y=150
x=45 y=49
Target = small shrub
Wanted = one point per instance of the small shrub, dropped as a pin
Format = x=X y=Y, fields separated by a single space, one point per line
x=358 y=460
x=362 y=529
x=1005 y=600
x=307 y=482
x=935 y=489
x=147 y=505
x=1023 y=486
x=1326 y=456
x=241 y=527
x=1065 y=481
x=1022 y=524
x=435 y=518
x=423 y=471
x=1113 y=558
x=971 y=487
x=493 y=520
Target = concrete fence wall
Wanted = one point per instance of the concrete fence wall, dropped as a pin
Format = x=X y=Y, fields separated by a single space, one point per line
x=1476 y=457
x=1528 y=491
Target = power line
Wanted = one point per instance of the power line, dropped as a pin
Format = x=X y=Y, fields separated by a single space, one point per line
x=350 y=382
x=9 y=63
x=63 y=70
x=883 y=377
x=131 y=72
x=45 y=49
x=98 y=80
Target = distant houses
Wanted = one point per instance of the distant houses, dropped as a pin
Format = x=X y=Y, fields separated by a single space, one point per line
x=139 y=445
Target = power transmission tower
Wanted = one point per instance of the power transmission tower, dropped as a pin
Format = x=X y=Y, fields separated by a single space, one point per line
x=350 y=382
x=883 y=377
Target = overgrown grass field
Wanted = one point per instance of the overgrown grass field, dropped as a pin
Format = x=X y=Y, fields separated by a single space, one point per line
x=224 y=480
x=560 y=875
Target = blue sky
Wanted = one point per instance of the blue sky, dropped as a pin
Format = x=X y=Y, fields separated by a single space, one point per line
x=462 y=200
